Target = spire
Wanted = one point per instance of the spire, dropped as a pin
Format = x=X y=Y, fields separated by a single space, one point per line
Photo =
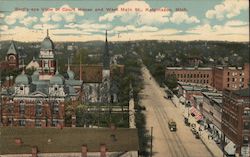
x=106 y=36
x=106 y=54
x=47 y=33
x=68 y=65
x=23 y=72
x=80 y=67
x=12 y=48
x=57 y=72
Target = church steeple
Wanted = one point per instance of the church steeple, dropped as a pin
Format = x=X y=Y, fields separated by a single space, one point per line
x=106 y=54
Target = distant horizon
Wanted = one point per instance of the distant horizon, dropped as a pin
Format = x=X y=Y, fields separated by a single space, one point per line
x=222 y=20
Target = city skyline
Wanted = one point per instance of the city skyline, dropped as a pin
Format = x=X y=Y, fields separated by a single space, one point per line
x=126 y=20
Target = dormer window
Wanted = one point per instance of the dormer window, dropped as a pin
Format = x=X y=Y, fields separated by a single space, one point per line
x=55 y=88
x=21 y=88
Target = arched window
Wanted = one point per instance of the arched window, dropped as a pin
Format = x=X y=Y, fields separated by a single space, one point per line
x=22 y=107
x=56 y=108
x=38 y=108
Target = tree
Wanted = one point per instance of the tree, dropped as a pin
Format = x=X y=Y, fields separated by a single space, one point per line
x=171 y=82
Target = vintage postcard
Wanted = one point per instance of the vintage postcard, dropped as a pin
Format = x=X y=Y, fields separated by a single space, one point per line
x=117 y=78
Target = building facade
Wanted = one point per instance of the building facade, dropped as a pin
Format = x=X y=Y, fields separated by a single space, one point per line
x=191 y=75
x=236 y=117
x=39 y=100
x=212 y=111
x=12 y=58
x=232 y=78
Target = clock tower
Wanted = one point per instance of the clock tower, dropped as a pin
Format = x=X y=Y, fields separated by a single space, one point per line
x=12 y=56
x=47 y=63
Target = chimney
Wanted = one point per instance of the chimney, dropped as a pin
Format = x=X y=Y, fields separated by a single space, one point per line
x=103 y=150
x=34 y=151
x=18 y=141
x=84 y=150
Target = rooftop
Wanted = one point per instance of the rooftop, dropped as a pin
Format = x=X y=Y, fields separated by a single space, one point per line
x=189 y=68
x=54 y=140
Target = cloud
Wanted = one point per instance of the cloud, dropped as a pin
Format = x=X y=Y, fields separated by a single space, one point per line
x=228 y=8
x=218 y=30
x=14 y=16
x=89 y=26
x=182 y=17
x=64 y=13
x=1 y=15
x=140 y=18
x=28 y=21
x=4 y=27
x=135 y=29
x=45 y=26
x=236 y=23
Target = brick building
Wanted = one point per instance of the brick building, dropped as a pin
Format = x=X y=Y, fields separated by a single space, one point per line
x=236 y=117
x=38 y=100
x=221 y=78
x=12 y=58
x=231 y=78
x=212 y=111
x=191 y=75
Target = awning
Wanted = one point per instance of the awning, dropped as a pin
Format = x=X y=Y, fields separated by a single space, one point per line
x=198 y=116
x=182 y=99
x=230 y=148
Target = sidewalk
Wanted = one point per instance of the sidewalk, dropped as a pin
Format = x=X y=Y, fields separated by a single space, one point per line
x=209 y=143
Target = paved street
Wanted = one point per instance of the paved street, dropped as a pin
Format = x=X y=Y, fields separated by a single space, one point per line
x=158 y=111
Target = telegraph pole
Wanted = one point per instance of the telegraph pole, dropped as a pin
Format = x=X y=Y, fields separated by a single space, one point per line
x=151 y=143
x=1 y=97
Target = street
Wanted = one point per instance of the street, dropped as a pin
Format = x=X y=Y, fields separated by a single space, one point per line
x=159 y=110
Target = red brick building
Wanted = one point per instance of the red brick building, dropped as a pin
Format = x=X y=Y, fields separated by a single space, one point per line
x=236 y=117
x=191 y=75
x=12 y=59
x=232 y=78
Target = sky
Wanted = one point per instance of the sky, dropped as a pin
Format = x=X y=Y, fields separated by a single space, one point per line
x=87 y=20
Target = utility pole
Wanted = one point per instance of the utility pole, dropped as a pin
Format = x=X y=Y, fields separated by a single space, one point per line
x=151 y=143
x=1 y=97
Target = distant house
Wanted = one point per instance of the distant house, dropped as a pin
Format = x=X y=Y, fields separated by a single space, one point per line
x=69 y=142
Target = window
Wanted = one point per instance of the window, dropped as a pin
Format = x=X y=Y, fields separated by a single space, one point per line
x=246 y=125
x=207 y=75
x=207 y=81
x=228 y=79
x=38 y=108
x=194 y=75
x=184 y=75
x=198 y=75
x=233 y=79
x=191 y=75
x=22 y=122
x=22 y=108
x=246 y=111
x=181 y=75
x=55 y=108
x=228 y=85
x=228 y=73
x=54 y=122
x=55 y=89
x=242 y=80
x=38 y=123
x=245 y=139
x=21 y=88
